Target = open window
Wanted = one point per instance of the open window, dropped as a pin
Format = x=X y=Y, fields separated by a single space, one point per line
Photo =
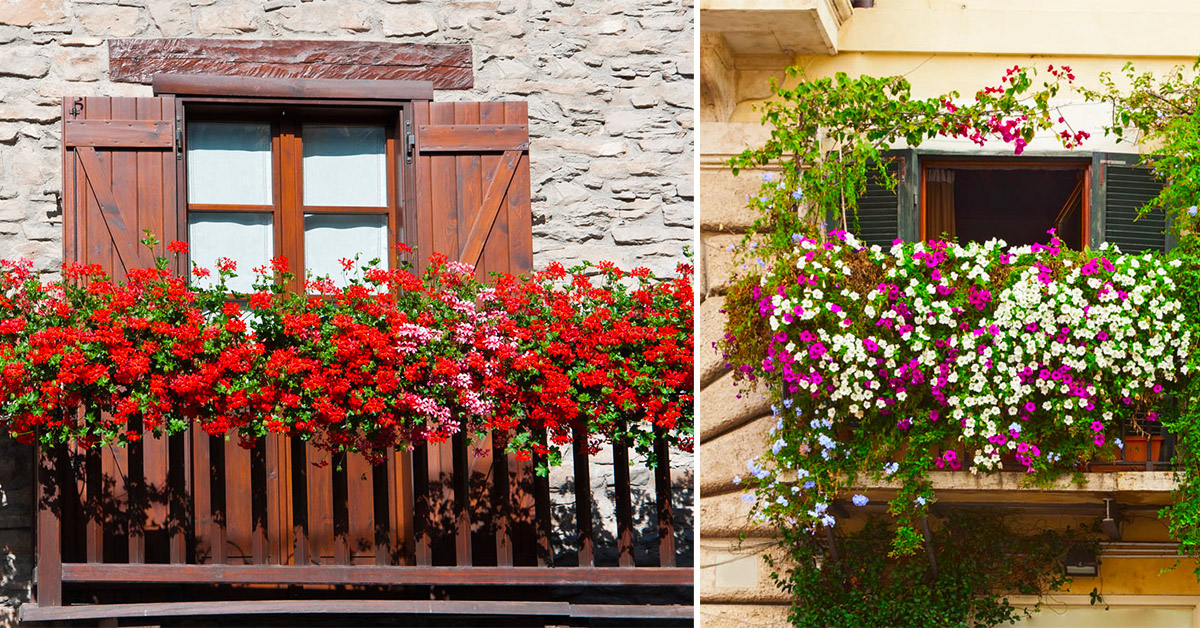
x=1087 y=201
x=314 y=170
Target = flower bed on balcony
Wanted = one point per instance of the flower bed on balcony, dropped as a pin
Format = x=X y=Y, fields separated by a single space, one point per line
x=892 y=363
x=389 y=360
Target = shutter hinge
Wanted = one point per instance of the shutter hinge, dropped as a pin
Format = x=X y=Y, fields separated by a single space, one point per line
x=178 y=138
x=76 y=108
x=410 y=142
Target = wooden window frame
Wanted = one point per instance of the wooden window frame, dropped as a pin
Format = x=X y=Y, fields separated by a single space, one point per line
x=951 y=160
x=286 y=117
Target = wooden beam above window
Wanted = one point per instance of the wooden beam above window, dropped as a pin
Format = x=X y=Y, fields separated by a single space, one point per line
x=447 y=66
x=229 y=86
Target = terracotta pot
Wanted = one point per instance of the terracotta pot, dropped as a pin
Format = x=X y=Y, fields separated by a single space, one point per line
x=1143 y=448
x=1136 y=448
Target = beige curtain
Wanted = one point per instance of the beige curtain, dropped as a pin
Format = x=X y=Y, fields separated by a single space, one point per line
x=939 y=203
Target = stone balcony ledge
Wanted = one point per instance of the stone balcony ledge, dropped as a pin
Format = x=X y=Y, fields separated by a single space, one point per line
x=776 y=27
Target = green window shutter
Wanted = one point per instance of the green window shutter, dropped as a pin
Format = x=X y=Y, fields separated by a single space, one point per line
x=883 y=215
x=1119 y=189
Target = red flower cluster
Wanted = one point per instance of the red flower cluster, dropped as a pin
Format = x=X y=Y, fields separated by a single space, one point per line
x=389 y=360
x=610 y=354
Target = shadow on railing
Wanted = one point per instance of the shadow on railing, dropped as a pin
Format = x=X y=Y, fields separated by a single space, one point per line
x=194 y=510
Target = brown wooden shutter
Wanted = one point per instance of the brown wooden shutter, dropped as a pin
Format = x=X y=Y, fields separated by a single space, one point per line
x=120 y=176
x=472 y=184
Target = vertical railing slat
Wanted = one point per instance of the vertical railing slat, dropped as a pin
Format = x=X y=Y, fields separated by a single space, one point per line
x=155 y=492
x=460 y=470
x=179 y=487
x=341 y=532
x=49 y=539
x=91 y=498
x=278 y=492
x=401 y=477
x=299 y=467
x=423 y=511
x=541 y=496
x=135 y=503
x=207 y=529
x=361 y=507
x=259 y=515
x=238 y=503
x=583 y=498
x=624 y=504
x=382 y=482
x=662 y=490
x=115 y=496
x=503 y=500
x=320 y=505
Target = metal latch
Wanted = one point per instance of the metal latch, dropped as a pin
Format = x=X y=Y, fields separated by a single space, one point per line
x=410 y=142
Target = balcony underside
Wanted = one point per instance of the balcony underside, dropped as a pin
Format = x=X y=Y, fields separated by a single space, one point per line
x=776 y=27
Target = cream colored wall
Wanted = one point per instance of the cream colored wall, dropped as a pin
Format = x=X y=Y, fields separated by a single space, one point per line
x=939 y=45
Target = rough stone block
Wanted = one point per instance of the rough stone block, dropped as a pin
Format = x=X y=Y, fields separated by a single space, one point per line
x=82 y=64
x=24 y=66
x=32 y=12
x=725 y=197
x=409 y=22
x=108 y=21
x=226 y=19
x=718 y=261
x=725 y=456
x=725 y=405
x=171 y=17
x=28 y=113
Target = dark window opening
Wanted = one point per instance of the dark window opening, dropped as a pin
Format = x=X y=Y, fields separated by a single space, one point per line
x=1018 y=205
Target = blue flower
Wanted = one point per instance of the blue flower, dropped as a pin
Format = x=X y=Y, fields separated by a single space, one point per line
x=768 y=177
x=891 y=468
x=859 y=500
x=756 y=470
x=797 y=195
x=737 y=480
x=921 y=500
x=828 y=520
x=1192 y=210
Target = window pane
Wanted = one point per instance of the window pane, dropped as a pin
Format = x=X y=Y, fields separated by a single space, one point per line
x=330 y=237
x=244 y=237
x=345 y=166
x=229 y=163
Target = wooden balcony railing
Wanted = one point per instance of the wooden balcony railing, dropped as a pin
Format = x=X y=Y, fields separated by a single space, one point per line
x=197 y=521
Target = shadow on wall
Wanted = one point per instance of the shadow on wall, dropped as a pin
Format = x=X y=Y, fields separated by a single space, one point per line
x=16 y=538
x=564 y=541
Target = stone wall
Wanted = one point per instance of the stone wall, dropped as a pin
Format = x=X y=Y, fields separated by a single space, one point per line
x=609 y=86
